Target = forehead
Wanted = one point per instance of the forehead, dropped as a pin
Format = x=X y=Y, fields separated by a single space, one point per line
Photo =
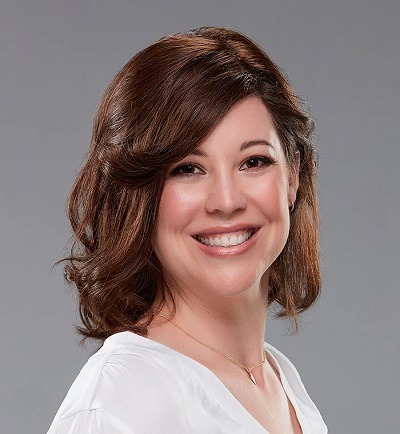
x=245 y=145
x=246 y=124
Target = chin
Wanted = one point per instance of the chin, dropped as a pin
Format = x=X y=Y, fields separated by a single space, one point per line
x=230 y=284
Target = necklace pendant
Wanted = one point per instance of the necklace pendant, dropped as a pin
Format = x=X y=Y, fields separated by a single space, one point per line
x=250 y=374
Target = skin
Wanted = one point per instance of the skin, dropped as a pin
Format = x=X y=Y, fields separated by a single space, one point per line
x=222 y=300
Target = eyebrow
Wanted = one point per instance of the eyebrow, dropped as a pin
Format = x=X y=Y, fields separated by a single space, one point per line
x=243 y=147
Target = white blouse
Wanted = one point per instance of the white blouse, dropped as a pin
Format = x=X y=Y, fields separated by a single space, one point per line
x=135 y=385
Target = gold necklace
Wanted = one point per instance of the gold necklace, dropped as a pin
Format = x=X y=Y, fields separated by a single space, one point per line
x=247 y=369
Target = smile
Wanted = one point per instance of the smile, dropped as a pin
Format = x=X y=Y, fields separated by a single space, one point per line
x=226 y=240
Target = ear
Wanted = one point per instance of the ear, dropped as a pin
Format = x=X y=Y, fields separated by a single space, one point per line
x=294 y=180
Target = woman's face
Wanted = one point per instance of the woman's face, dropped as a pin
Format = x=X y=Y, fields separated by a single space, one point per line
x=235 y=185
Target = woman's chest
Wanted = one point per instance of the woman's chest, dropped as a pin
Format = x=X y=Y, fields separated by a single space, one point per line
x=270 y=407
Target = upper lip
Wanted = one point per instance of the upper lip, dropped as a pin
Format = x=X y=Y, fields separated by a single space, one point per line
x=226 y=229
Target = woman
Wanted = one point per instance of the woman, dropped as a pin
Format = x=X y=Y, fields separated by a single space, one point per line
x=195 y=211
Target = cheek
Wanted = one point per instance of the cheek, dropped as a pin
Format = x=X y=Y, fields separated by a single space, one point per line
x=177 y=205
x=176 y=211
x=271 y=193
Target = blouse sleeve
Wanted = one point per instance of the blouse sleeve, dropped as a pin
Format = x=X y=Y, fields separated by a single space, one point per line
x=95 y=421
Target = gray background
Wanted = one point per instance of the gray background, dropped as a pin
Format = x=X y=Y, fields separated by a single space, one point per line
x=343 y=56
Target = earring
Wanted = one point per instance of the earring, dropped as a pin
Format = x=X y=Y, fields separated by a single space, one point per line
x=291 y=208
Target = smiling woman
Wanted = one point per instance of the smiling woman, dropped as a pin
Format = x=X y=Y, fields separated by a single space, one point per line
x=195 y=211
x=220 y=199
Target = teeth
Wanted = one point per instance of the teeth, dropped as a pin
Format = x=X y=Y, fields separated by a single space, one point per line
x=233 y=240
x=225 y=240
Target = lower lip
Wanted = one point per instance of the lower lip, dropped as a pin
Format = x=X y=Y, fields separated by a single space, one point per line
x=219 y=251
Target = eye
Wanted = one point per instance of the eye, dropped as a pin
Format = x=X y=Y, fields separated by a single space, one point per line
x=186 y=170
x=258 y=162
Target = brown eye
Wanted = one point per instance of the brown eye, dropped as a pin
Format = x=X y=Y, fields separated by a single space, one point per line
x=186 y=170
x=253 y=161
x=257 y=162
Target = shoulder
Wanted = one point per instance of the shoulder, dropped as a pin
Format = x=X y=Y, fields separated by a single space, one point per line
x=121 y=379
x=96 y=421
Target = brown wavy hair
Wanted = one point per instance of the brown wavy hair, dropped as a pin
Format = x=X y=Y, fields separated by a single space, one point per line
x=154 y=112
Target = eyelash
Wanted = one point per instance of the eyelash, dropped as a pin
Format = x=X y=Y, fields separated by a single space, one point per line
x=266 y=161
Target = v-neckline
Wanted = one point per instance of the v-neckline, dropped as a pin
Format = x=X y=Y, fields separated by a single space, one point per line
x=218 y=389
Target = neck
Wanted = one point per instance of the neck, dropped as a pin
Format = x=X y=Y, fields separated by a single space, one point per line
x=234 y=326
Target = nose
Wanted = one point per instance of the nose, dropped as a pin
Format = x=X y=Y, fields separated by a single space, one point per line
x=225 y=194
